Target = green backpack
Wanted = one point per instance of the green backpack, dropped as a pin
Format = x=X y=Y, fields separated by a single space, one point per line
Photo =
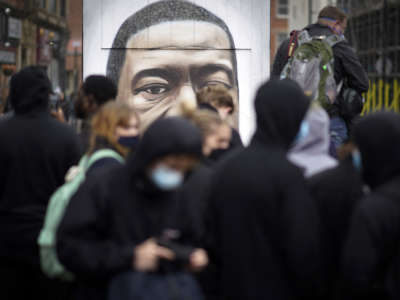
x=59 y=200
x=311 y=66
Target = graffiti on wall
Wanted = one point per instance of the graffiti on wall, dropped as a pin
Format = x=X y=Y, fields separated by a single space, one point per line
x=382 y=96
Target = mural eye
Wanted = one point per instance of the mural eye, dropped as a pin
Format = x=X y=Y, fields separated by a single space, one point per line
x=151 y=91
x=155 y=89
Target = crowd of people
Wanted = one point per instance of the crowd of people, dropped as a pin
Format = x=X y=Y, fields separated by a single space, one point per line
x=180 y=209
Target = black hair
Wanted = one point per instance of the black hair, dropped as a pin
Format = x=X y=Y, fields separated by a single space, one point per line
x=30 y=90
x=101 y=87
x=156 y=13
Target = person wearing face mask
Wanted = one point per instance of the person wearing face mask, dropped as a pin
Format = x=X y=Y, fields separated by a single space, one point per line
x=116 y=127
x=216 y=133
x=371 y=257
x=115 y=223
x=114 y=134
x=262 y=223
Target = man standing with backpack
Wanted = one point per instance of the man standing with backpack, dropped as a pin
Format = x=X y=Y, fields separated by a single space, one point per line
x=350 y=77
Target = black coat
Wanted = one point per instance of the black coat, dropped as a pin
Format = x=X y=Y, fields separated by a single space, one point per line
x=336 y=193
x=35 y=154
x=371 y=259
x=263 y=225
x=347 y=66
x=111 y=214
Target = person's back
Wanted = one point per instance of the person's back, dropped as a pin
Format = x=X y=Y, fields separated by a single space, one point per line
x=371 y=259
x=260 y=212
x=336 y=193
x=35 y=154
x=348 y=71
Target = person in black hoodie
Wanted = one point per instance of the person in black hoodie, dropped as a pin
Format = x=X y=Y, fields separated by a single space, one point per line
x=371 y=259
x=113 y=222
x=336 y=192
x=263 y=224
x=36 y=152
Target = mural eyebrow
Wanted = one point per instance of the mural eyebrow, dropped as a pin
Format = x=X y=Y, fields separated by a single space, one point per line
x=169 y=75
x=208 y=69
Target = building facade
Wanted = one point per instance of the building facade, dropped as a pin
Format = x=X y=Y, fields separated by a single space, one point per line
x=33 y=32
x=279 y=11
x=74 y=47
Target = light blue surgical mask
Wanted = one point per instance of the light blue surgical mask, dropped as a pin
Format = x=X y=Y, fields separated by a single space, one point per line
x=166 y=178
x=357 y=162
x=303 y=131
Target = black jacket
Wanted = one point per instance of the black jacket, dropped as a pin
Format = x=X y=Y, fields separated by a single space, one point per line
x=336 y=193
x=35 y=154
x=111 y=214
x=347 y=65
x=371 y=260
x=262 y=221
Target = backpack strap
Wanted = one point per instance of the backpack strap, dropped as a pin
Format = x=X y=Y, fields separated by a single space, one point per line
x=304 y=37
x=292 y=43
x=333 y=39
x=103 y=153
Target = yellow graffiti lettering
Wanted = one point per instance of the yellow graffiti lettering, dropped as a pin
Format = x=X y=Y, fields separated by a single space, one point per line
x=379 y=97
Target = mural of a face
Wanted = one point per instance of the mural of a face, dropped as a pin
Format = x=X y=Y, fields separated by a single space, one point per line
x=168 y=66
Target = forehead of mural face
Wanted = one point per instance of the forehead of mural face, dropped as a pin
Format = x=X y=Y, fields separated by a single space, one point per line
x=155 y=81
x=163 y=62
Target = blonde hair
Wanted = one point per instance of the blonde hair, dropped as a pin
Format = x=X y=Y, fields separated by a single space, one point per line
x=105 y=122
x=206 y=120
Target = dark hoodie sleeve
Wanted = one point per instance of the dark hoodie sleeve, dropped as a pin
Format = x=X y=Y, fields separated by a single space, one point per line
x=349 y=66
x=370 y=246
x=83 y=243
x=301 y=236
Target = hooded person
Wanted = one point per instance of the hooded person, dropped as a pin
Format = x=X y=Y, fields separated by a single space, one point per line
x=371 y=259
x=337 y=192
x=35 y=154
x=113 y=222
x=263 y=224
x=311 y=151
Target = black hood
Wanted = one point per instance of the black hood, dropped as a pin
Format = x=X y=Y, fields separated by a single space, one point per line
x=378 y=139
x=172 y=135
x=30 y=89
x=280 y=107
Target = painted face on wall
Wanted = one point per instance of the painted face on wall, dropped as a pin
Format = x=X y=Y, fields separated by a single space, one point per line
x=169 y=62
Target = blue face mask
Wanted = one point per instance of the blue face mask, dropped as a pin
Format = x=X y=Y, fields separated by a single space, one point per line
x=356 y=157
x=303 y=132
x=166 y=178
x=129 y=141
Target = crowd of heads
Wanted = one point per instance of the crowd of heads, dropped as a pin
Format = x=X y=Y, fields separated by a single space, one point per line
x=183 y=197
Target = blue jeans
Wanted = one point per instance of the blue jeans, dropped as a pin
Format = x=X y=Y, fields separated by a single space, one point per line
x=338 y=133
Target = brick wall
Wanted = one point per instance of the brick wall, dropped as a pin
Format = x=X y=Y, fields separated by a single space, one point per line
x=277 y=25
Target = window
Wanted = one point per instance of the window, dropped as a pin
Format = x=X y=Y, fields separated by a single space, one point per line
x=282 y=8
x=41 y=3
x=63 y=8
x=53 y=6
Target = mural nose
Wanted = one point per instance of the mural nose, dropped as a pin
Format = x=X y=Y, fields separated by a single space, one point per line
x=186 y=94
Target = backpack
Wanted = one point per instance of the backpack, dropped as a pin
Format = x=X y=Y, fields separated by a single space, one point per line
x=59 y=200
x=310 y=64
